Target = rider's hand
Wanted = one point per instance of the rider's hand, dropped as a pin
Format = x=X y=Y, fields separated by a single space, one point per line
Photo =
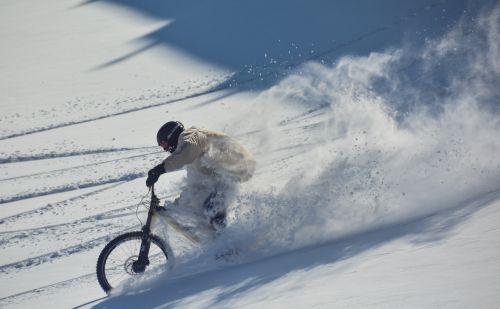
x=154 y=174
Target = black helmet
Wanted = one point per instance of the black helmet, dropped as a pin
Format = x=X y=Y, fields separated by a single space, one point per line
x=170 y=132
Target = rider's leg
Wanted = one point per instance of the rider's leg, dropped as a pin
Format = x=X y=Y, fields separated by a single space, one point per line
x=214 y=209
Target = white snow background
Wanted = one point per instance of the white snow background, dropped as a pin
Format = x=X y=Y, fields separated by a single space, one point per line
x=375 y=125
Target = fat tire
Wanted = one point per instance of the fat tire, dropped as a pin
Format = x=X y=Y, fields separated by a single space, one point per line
x=113 y=244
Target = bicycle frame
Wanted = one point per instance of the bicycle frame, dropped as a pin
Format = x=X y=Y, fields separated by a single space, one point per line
x=140 y=265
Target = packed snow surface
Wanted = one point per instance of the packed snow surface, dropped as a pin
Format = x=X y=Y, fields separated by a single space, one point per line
x=375 y=126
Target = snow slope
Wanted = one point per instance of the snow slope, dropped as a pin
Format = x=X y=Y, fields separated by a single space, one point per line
x=375 y=127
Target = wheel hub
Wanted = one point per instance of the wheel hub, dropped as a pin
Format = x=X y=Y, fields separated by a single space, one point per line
x=132 y=266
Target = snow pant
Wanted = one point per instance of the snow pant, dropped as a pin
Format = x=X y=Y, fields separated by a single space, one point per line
x=211 y=195
x=214 y=208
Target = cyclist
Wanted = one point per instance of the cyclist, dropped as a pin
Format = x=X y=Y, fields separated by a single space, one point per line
x=215 y=162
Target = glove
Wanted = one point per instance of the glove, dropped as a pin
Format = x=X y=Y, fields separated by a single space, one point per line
x=154 y=174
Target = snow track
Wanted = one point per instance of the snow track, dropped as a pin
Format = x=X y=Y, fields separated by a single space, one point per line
x=323 y=119
x=53 y=155
x=51 y=288
x=81 y=176
x=95 y=111
x=64 y=228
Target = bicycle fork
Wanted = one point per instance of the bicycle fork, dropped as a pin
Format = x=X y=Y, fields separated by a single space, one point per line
x=142 y=262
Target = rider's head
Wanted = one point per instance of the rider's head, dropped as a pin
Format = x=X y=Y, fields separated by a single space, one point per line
x=168 y=135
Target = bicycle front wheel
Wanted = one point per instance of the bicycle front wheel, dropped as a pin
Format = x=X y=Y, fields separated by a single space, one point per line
x=117 y=260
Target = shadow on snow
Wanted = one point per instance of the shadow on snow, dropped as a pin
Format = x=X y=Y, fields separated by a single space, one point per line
x=261 y=41
x=231 y=281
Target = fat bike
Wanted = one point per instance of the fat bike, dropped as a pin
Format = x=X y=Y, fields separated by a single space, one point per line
x=136 y=253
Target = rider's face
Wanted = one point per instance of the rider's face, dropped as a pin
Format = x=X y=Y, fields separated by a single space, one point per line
x=164 y=145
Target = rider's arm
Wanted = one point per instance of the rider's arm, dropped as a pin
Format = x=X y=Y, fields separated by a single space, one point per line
x=191 y=146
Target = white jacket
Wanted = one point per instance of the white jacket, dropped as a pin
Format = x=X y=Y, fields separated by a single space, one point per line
x=211 y=153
